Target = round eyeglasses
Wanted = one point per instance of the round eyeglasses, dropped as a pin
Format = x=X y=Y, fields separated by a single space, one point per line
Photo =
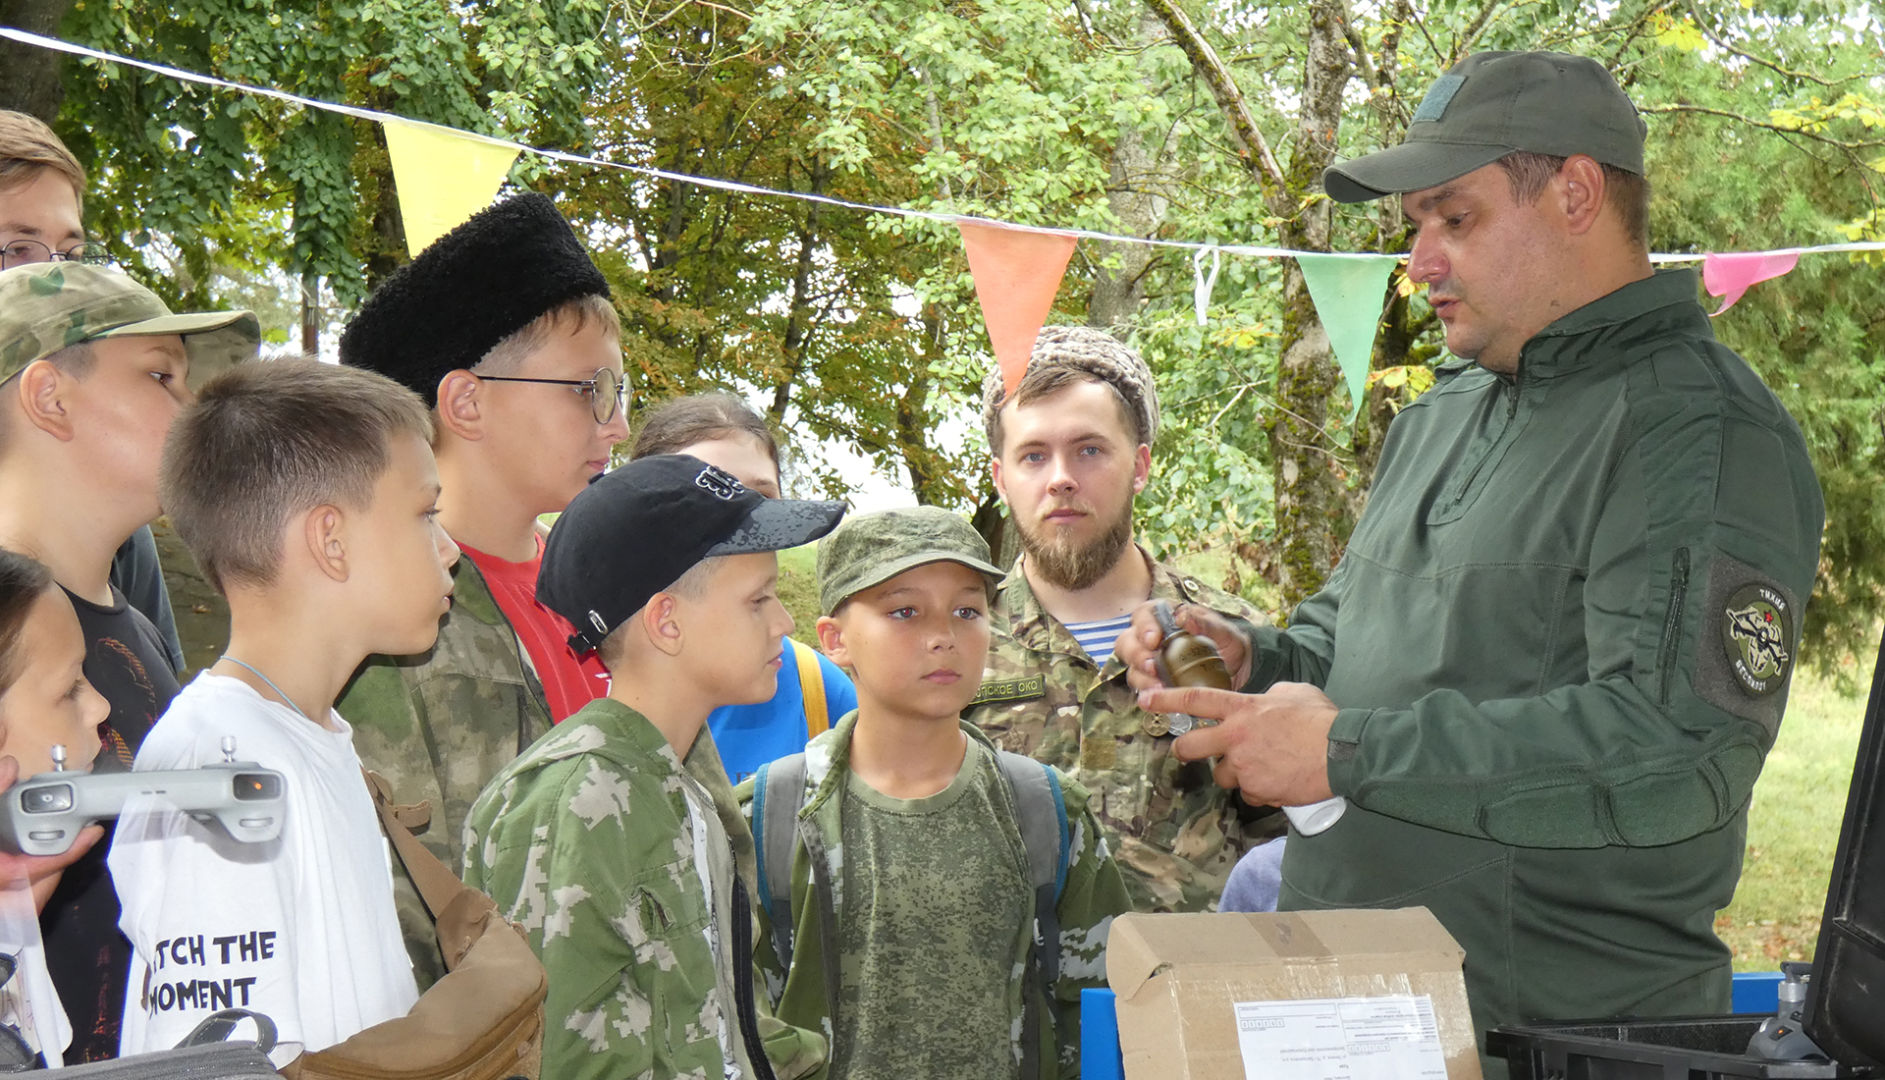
x=606 y=390
x=23 y=252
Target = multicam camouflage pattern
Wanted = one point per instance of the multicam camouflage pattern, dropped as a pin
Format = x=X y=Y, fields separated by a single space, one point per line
x=869 y=549
x=586 y=841
x=1093 y=894
x=47 y=307
x=1175 y=833
x=439 y=726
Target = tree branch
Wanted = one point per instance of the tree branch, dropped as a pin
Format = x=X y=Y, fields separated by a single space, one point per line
x=1252 y=148
x=1850 y=148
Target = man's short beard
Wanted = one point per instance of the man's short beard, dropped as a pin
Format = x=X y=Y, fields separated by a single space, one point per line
x=1074 y=568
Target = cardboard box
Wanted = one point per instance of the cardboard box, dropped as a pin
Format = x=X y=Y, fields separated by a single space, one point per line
x=1378 y=983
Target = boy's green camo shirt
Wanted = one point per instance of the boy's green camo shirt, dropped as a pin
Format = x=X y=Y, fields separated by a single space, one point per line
x=1174 y=832
x=1093 y=894
x=586 y=841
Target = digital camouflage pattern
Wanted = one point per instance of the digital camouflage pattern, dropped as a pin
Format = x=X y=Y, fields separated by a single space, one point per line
x=1093 y=894
x=1175 y=833
x=51 y=306
x=586 y=841
x=870 y=549
x=438 y=726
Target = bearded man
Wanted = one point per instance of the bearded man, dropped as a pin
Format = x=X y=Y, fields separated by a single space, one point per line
x=1071 y=448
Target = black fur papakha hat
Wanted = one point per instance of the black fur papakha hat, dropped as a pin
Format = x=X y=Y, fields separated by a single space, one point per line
x=475 y=286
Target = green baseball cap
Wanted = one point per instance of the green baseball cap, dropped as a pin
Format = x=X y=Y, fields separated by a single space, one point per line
x=870 y=549
x=46 y=307
x=1495 y=103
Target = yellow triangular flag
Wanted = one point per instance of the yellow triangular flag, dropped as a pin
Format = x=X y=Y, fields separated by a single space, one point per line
x=443 y=176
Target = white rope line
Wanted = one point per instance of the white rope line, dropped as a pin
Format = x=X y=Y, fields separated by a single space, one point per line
x=1255 y=251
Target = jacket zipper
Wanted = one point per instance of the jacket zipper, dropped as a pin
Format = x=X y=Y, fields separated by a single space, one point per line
x=1511 y=410
x=1672 y=623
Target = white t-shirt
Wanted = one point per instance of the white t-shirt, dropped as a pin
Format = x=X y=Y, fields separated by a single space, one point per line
x=29 y=1001
x=301 y=928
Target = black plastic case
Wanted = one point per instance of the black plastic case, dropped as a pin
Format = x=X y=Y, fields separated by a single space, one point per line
x=1845 y=1004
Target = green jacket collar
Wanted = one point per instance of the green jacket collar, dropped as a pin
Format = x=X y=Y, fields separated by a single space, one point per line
x=1667 y=295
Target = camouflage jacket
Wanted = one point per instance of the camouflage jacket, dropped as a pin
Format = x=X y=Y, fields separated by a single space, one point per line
x=439 y=726
x=1175 y=833
x=1093 y=894
x=586 y=840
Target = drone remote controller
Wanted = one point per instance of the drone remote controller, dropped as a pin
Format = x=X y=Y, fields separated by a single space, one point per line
x=43 y=815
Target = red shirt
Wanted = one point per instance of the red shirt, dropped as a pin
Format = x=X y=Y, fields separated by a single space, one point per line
x=568 y=683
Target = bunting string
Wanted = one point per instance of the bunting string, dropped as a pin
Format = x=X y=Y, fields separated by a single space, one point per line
x=716 y=183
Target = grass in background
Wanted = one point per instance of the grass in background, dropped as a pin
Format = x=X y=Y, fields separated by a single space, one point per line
x=1793 y=828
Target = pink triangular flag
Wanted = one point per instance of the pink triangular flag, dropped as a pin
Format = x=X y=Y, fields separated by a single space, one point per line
x=1017 y=274
x=1731 y=276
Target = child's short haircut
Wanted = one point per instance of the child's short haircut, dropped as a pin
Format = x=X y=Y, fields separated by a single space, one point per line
x=23 y=580
x=28 y=147
x=571 y=317
x=265 y=441
x=675 y=425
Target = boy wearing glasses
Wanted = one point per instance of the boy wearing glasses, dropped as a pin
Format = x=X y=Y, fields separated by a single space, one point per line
x=504 y=327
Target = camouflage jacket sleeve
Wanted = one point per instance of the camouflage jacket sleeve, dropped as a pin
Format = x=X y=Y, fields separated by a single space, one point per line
x=1095 y=892
x=617 y=913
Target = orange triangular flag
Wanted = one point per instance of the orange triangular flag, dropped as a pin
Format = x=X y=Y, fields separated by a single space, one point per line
x=1017 y=274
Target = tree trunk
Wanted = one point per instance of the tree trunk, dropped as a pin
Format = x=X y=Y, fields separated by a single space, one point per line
x=1135 y=193
x=29 y=75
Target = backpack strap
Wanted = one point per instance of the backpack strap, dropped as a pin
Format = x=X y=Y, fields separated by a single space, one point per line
x=1041 y=815
x=811 y=689
x=778 y=793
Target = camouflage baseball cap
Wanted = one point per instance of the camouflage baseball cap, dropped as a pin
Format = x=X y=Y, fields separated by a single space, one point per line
x=1496 y=103
x=870 y=549
x=46 y=307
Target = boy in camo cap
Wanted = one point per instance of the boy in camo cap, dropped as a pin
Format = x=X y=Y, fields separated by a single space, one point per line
x=954 y=855
x=94 y=369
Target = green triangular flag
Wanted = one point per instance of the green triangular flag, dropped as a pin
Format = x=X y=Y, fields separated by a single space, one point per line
x=1347 y=291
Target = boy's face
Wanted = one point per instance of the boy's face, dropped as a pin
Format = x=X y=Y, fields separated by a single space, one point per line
x=122 y=409
x=44 y=209
x=50 y=703
x=545 y=444
x=914 y=644
x=736 y=628
x=401 y=557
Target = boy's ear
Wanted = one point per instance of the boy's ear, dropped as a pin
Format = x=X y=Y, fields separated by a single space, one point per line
x=42 y=397
x=324 y=531
x=461 y=405
x=831 y=641
x=660 y=618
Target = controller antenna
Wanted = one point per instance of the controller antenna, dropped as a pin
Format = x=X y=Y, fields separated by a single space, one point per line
x=229 y=749
x=58 y=757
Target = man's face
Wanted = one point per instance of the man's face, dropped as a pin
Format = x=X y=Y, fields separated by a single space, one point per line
x=1490 y=263
x=915 y=644
x=545 y=444
x=736 y=629
x=1069 y=467
x=44 y=209
x=122 y=409
x=402 y=557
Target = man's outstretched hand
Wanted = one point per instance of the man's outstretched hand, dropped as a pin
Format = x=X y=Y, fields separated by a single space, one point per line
x=1137 y=648
x=1273 y=747
x=41 y=871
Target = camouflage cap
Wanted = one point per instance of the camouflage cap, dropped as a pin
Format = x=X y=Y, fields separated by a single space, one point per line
x=870 y=549
x=1096 y=352
x=47 y=307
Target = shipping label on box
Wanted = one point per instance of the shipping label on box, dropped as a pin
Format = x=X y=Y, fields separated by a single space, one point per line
x=1308 y=995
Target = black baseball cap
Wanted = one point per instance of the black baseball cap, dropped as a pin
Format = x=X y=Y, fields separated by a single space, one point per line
x=1495 y=103
x=634 y=531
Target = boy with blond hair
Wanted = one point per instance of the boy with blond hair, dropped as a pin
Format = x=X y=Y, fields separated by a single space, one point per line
x=615 y=840
x=94 y=368
x=308 y=494
x=968 y=875
x=505 y=329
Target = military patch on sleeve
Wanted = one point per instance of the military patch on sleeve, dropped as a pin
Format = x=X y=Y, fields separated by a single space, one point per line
x=1747 y=631
x=1757 y=630
x=1000 y=690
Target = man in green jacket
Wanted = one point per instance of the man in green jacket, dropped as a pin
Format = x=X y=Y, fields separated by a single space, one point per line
x=1548 y=668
